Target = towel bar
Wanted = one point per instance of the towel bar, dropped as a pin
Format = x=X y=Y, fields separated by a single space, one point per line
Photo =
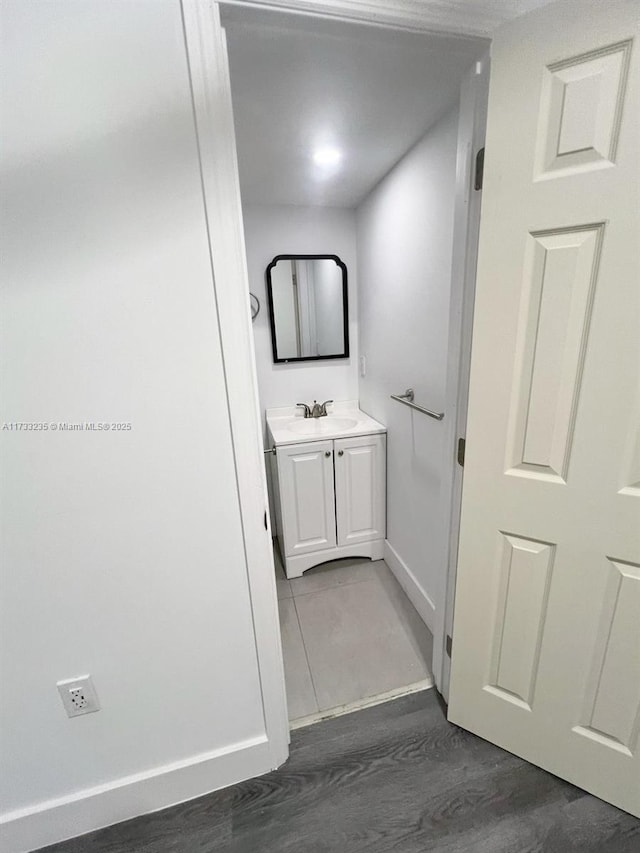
x=407 y=400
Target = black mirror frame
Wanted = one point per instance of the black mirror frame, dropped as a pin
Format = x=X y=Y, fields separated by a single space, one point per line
x=345 y=304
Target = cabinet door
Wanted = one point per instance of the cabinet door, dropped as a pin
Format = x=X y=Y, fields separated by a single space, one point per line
x=360 y=488
x=305 y=474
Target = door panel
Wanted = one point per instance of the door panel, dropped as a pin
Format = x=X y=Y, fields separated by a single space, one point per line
x=611 y=696
x=524 y=586
x=560 y=274
x=360 y=488
x=546 y=641
x=580 y=111
x=305 y=476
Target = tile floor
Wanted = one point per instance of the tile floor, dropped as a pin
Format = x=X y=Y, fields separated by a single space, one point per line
x=349 y=634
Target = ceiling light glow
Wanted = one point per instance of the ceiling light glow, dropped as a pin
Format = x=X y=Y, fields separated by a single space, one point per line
x=327 y=156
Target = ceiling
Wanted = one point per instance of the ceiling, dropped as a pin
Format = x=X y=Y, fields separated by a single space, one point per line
x=300 y=82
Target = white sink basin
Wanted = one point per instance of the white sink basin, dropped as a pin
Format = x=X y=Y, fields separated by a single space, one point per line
x=285 y=425
x=321 y=426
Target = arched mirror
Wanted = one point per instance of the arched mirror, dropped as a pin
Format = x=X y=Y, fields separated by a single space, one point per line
x=308 y=307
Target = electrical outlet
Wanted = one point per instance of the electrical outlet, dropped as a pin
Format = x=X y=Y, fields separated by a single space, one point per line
x=78 y=696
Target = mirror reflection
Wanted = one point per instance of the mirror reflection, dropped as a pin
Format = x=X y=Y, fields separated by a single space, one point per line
x=308 y=307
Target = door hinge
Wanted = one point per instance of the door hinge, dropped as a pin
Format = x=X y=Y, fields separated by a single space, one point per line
x=266 y=526
x=462 y=443
x=477 y=181
x=448 y=644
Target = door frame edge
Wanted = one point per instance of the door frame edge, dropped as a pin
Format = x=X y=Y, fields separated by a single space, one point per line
x=206 y=54
x=471 y=135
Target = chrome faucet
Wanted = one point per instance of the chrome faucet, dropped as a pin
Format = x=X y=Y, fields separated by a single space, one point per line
x=318 y=410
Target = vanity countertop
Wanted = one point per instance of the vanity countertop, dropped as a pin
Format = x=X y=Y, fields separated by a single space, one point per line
x=344 y=419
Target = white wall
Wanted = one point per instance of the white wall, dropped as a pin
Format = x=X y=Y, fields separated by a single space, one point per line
x=287 y=230
x=122 y=551
x=405 y=234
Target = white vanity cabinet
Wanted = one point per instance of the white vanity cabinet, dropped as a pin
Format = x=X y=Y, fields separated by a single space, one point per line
x=307 y=502
x=330 y=500
x=360 y=487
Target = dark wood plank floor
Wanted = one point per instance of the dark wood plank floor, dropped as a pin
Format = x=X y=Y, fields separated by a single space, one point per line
x=396 y=777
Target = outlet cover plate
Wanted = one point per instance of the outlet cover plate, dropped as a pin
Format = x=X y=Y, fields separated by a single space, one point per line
x=78 y=695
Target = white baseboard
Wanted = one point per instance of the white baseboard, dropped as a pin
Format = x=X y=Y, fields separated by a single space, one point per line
x=407 y=580
x=94 y=808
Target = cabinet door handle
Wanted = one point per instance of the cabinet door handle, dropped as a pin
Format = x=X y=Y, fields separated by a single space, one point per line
x=341 y=453
x=327 y=453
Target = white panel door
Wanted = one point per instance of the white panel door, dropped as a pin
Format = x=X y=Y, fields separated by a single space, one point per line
x=305 y=476
x=546 y=635
x=360 y=464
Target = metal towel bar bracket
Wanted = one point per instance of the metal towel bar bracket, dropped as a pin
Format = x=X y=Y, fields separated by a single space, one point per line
x=407 y=400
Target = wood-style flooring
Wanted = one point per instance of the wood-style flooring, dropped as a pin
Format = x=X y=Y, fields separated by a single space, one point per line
x=396 y=777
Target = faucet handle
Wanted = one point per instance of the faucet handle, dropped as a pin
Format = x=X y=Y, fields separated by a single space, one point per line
x=307 y=410
x=324 y=406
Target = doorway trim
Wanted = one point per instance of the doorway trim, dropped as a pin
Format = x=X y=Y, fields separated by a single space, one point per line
x=439 y=17
x=474 y=94
x=213 y=117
